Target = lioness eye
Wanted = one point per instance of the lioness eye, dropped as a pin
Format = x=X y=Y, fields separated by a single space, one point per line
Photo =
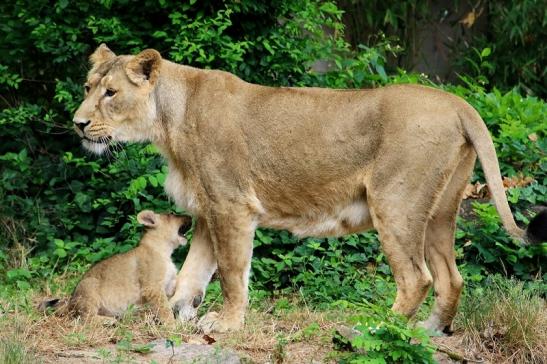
x=87 y=88
x=109 y=92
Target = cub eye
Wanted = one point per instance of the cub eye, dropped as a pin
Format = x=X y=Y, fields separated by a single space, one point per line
x=109 y=92
x=87 y=88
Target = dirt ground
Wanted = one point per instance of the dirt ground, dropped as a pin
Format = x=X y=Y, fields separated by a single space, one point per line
x=296 y=335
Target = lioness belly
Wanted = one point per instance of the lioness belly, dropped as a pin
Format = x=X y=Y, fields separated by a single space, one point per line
x=343 y=219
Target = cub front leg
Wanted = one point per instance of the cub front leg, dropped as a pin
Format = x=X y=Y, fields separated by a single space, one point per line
x=195 y=274
x=155 y=296
x=232 y=235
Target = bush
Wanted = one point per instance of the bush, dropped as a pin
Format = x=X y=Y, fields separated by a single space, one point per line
x=515 y=36
x=349 y=268
x=486 y=247
x=69 y=210
x=517 y=126
x=385 y=337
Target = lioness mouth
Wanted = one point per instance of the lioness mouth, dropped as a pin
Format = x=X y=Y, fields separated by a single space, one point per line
x=97 y=146
x=104 y=140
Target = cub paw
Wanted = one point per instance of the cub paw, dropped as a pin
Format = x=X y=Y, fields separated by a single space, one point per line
x=215 y=322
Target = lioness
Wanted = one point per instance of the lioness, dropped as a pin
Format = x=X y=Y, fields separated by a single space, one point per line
x=314 y=161
x=145 y=274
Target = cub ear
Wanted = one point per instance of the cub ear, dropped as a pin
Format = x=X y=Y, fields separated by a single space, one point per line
x=101 y=55
x=148 y=218
x=144 y=67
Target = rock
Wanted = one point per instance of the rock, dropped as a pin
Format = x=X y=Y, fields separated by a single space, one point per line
x=343 y=336
x=191 y=353
x=159 y=353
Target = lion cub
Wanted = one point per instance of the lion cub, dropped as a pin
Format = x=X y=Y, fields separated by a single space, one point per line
x=145 y=274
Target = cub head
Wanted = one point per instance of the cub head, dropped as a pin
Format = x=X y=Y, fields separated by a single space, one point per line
x=119 y=105
x=165 y=228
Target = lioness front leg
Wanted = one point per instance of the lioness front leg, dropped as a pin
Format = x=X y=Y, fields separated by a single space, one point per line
x=232 y=236
x=195 y=274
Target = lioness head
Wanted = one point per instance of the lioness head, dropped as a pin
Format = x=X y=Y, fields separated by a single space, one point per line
x=119 y=104
x=166 y=228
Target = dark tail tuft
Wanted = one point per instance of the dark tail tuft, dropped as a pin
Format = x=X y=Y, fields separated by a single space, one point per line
x=49 y=303
x=536 y=232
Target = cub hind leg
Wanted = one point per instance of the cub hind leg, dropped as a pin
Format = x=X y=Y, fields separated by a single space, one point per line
x=85 y=302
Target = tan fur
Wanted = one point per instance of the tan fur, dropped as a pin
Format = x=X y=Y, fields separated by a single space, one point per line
x=313 y=161
x=144 y=274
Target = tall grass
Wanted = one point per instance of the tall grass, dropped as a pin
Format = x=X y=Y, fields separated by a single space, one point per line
x=507 y=320
x=13 y=350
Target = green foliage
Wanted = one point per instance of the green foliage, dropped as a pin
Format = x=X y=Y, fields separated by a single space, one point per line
x=15 y=351
x=127 y=344
x=518 y=129
x=517 y=125
x=486 y=247
x=85 y=206
x=386 y=337
x=516 y=37
x=72 y=208
x=350 y=268
x=513 y=38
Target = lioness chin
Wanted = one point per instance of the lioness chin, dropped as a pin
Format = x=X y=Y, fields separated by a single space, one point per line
x=313 y=161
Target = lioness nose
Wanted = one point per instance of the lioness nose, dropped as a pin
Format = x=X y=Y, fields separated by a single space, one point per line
x=81 y=124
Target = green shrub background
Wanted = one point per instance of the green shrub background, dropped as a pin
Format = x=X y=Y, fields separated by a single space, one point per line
x=62 y=209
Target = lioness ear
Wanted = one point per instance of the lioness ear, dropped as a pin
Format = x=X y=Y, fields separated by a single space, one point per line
x=144 y=67
x=148 y=218
x=101 y=55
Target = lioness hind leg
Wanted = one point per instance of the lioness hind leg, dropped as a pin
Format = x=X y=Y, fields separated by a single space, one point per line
x=439 y=250
x=405 y=256
x=401 y=231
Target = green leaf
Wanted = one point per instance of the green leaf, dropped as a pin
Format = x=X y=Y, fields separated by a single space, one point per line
x=18 y=273
x=153 y=181
x=61 y=253
x=485 y=52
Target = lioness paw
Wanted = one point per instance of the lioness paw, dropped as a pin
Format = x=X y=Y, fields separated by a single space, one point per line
x=215 y=322
x=434 y=328
x=184 y=309
x=185 y=312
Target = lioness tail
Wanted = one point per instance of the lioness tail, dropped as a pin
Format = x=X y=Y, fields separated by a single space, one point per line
x=478 y=135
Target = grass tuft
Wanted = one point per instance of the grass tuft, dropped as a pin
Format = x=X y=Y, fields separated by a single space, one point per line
x=14 y=348
x=506 y=320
